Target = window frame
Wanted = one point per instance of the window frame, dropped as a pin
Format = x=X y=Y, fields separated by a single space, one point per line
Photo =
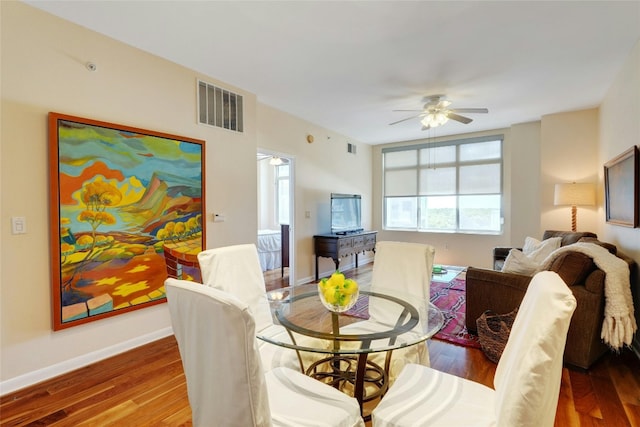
x=419 y=198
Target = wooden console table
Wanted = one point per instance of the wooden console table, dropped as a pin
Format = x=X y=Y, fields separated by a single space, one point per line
x=337 y=246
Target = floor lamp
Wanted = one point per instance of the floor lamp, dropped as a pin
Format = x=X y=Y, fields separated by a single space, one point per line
x=574 y=195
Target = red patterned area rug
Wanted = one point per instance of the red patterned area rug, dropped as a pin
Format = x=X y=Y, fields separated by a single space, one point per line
x=448 y=297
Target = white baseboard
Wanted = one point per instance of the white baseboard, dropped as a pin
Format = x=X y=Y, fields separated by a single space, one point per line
x=43 y=374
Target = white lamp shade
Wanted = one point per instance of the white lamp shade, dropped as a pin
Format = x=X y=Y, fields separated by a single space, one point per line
x=575 y=194
x=435 y=119
x=275 y=161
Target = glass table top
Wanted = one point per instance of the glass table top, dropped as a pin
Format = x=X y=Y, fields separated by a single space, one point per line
x=382 y=319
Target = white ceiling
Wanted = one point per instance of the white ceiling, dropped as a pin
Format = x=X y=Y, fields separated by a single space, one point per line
x=345 y=65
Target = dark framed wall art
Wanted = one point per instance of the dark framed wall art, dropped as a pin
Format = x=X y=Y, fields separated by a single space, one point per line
x=127 y=211
x=621 y=186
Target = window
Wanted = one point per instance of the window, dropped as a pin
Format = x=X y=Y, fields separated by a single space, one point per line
x=452 y=186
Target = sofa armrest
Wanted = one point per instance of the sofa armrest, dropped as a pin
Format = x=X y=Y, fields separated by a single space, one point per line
x=492 y=290
x=594 y=283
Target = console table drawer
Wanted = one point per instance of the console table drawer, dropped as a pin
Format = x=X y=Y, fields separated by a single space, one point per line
x=345 y=243
x=358 y=241
x=337 y=246
x=369 y=243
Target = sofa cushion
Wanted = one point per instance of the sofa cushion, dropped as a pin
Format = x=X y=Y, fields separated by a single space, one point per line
x=518 y=263
x=528 y=260
x=573 y=267
x=537 y=251
x=568 y=237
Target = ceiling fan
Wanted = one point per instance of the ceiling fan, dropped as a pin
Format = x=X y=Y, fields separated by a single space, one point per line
x=436 y=112
x=273 y=159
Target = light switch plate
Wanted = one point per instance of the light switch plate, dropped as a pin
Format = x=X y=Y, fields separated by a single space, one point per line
x=18 y=225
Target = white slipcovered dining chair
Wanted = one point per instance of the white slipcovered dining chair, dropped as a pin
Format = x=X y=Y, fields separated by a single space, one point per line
x=527 y=379
x=226 y=385
x=404 y=269
x=236 y=270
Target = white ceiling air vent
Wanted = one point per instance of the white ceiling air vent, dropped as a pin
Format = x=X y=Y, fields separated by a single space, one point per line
x=219 y=107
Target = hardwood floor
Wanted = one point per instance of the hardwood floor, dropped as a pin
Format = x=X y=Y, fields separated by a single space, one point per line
x=275 y=279
x=146 y=387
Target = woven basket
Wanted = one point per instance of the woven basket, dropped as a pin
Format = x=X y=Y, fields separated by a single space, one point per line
x=493 y=332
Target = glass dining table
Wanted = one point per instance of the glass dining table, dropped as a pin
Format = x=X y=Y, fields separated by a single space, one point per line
x=351 y=351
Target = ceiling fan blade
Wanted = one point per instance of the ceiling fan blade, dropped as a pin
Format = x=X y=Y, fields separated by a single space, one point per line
x=409 y=118
x=469 y=110
x=457 y=118
x=408 y=110
x=426 y=127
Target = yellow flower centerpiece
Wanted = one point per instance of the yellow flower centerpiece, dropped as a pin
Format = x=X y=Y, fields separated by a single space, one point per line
x=337 y=293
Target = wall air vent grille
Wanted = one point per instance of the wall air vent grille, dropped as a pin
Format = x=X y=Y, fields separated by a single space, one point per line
x=219 y=107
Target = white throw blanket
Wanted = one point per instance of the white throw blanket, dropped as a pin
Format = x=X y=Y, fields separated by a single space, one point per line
x=619 y=323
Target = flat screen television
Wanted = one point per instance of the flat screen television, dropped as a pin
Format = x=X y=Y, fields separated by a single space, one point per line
x=346 y=213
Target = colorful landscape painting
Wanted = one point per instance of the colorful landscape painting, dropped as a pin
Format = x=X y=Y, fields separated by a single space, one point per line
x=126 y=213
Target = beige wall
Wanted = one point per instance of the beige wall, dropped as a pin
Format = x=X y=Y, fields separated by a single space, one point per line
x=569 y=153
x=620 y=130
x=522 y=186
x=320 y=168
x=266 y=196
x=521 y=212
x=560 y=148
x=44 y=70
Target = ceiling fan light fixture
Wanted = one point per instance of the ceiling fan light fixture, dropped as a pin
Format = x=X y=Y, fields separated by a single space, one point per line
x=275 y=161
x=436 y=112
x=434 y=119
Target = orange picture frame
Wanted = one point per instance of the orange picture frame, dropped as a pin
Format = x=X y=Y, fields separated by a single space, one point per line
x=127 y=211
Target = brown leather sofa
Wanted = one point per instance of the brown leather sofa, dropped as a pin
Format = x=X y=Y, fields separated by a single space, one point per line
x=502 y=292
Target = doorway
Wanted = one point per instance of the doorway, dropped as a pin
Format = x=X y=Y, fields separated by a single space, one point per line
x=276 y=202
